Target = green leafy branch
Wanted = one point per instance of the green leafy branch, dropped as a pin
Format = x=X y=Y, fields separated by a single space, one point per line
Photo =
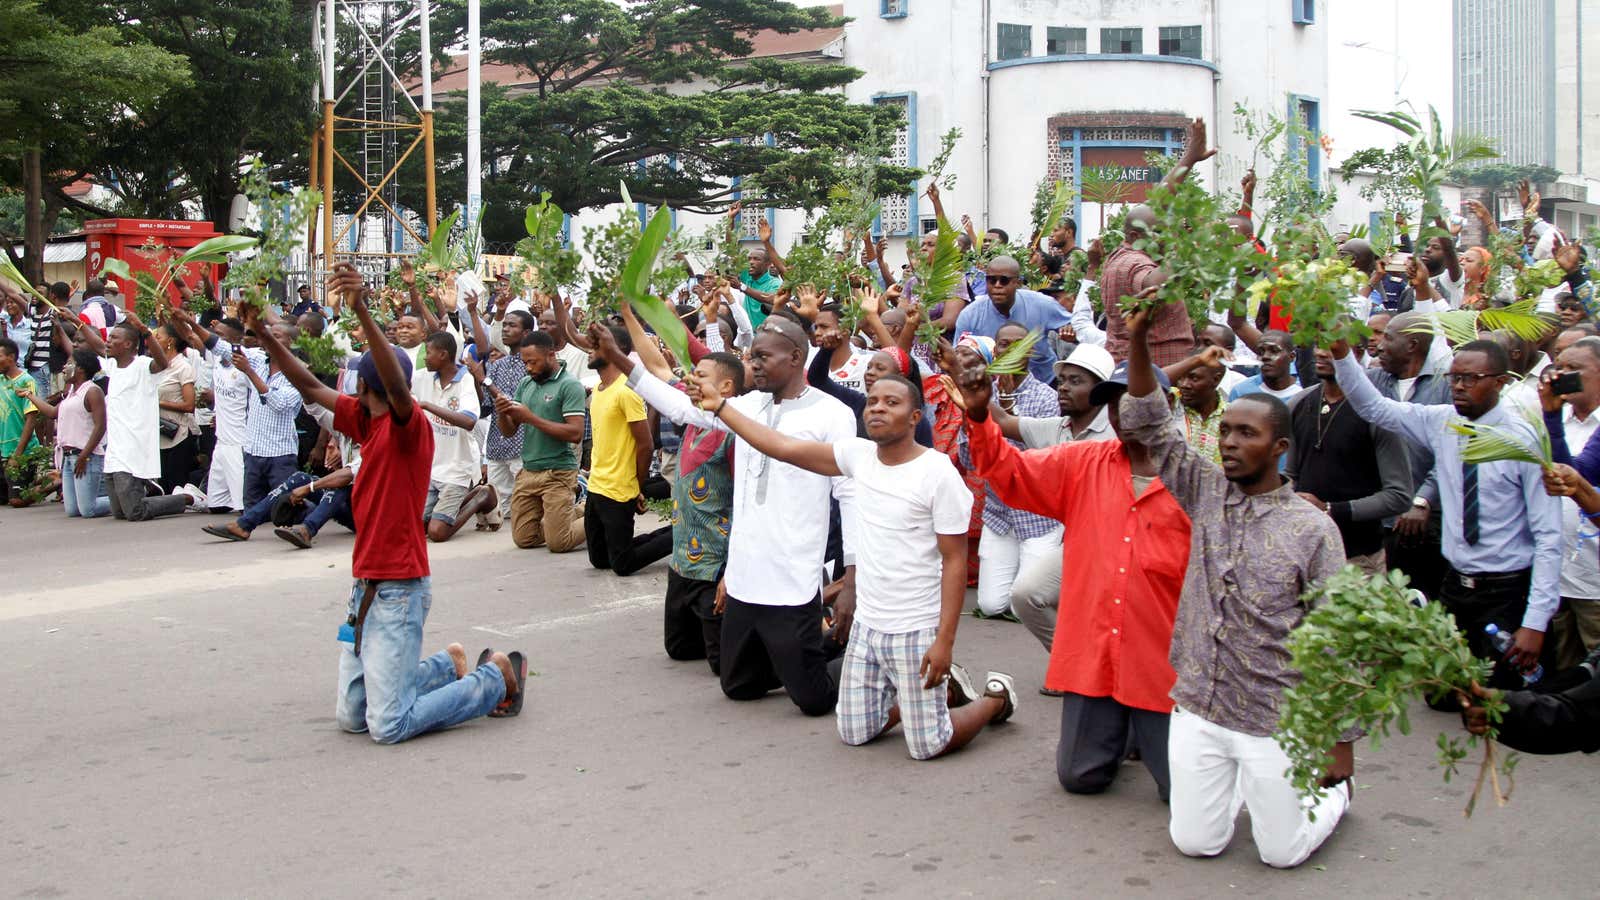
x=947 y=146
x=1364 y=654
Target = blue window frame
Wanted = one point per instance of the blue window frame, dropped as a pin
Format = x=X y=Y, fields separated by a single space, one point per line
x=893 y=9
x=1304 y=11
x=747 y=231
x=1169 y=141
x=1307 y=111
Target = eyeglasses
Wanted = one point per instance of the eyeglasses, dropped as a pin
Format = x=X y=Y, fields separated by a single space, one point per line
x=999 y=280
x=1470 y=379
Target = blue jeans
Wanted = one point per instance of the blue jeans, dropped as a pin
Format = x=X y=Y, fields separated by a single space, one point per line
x=386 y=691
x=263 y=473
x=84 y=496
x=320 y=506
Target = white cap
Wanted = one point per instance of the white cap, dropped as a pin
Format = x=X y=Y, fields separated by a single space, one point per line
x=1092 y=359
x=112 y=286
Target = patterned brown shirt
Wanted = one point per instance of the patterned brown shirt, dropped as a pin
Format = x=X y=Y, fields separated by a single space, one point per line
x=1250 y=559
x=1171 y=334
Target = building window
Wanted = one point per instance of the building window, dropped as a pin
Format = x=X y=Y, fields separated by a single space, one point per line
x=893 y=9
x=1015 y=41
x=1064 y=41
x=1306 y=112
x=1121 y=40
x=897 y=213
x=1305 y=11
x=1181 y=41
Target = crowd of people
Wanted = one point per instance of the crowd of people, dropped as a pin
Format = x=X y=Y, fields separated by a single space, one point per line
x=1149 y=498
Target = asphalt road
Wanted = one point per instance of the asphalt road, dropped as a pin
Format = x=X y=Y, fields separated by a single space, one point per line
x=168 y=732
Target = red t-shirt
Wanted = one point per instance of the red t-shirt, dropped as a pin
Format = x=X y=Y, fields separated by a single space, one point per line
x=390 y=490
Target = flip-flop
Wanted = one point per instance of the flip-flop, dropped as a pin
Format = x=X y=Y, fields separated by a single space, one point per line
x=484 y=657
x=221 y=531
x=513 y=705
x=293 y=537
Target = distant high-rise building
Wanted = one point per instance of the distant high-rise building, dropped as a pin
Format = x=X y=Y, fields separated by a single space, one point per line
x=1505 y=55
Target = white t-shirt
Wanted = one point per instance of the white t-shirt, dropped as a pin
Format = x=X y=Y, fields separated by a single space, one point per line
x=578 y=365
x=455 y=451
x=1403 y=388
x=854 y=371
x=1283 y=394
x=133 y=437
x=1580 y=570
x=900 y=511
x=230 y=394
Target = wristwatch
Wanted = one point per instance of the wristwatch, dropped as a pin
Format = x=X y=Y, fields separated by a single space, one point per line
x=1419 y=503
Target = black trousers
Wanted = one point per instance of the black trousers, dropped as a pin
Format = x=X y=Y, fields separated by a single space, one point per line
x=608 y=527
x=1095 y=738
x=1478 y=600
x=1418 y=557
x=693 y=630
x=768 y=647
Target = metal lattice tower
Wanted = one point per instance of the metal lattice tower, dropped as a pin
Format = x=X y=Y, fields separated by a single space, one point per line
x=362 y=95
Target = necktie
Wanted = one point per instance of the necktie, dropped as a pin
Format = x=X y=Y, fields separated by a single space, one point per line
x=1469 y=502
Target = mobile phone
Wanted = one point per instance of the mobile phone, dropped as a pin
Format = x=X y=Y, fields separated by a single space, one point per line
x=1566 y=383
x=1396 y=263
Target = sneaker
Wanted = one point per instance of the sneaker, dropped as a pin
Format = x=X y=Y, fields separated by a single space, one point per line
x=962 y=690
x=197 y=497
x=1002 y=686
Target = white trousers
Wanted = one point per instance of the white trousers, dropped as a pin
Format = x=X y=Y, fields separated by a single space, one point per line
x=225 y=480
x=999 y=558
x=1216 y=770
x=503 y=478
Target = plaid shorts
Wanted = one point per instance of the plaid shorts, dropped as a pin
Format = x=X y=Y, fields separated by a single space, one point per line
x=882 y=671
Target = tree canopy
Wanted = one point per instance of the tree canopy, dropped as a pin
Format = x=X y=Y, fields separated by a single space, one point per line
x=604 y=103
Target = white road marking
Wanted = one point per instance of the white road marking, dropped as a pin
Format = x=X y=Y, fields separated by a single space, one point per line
x=595 y=612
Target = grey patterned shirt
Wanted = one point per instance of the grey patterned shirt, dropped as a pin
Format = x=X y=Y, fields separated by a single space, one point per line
x=1250 y=559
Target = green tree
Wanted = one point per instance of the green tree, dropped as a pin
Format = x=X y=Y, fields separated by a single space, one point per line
x=69 y=81
x=251 y=95
x=597 y=110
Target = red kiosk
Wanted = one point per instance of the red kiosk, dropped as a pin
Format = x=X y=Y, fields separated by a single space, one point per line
x=137 y=242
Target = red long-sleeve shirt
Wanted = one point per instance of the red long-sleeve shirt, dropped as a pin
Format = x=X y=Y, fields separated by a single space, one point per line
x=1122 y=566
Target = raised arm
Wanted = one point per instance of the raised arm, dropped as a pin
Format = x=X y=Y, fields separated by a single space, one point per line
x=290 y=365
x=1083 y=317
x=643 y=344
x=1417 y=423
x=764 y=231
x=158 y=354
x=1030 y=480
x=558 y=305
x=1194 y=153
x=480 y=334
x=813 y=456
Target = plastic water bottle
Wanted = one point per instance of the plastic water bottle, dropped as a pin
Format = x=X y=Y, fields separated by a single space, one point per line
x=1502 y=644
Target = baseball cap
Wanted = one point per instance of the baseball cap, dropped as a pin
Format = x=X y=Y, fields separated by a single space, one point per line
x=1092 y=359
x=367 y=368
x=1114 y=387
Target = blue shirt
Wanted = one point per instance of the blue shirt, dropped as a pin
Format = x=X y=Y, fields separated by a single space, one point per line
x=1029 y=308
x=1519 y=525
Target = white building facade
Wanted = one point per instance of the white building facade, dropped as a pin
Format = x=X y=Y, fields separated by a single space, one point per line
x=1044 y=88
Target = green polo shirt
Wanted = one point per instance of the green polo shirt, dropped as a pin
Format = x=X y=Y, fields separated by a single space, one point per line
x=14 y=412
x=554 y=399
x=768 y=283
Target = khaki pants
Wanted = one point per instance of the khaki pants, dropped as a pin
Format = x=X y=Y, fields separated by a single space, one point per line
x=1374 y=563
x=542 y=510
x=1574 y=631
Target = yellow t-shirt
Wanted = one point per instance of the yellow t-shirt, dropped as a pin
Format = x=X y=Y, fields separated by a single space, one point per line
x=612 y=472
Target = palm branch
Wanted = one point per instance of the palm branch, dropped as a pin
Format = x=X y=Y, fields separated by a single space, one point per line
x=1015 y=360
x=1495 y=443
x=1458 y=326
x=938 y=278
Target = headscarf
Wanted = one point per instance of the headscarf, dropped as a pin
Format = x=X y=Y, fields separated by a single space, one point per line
x=901 y=360
x=983 y=345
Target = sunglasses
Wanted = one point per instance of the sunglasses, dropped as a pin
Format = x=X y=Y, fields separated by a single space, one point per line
x=1470 y=379
x=999 y=280
x=774 y=329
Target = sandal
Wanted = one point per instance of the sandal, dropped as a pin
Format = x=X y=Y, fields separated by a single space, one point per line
x=512 y=705
x=221 y=531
